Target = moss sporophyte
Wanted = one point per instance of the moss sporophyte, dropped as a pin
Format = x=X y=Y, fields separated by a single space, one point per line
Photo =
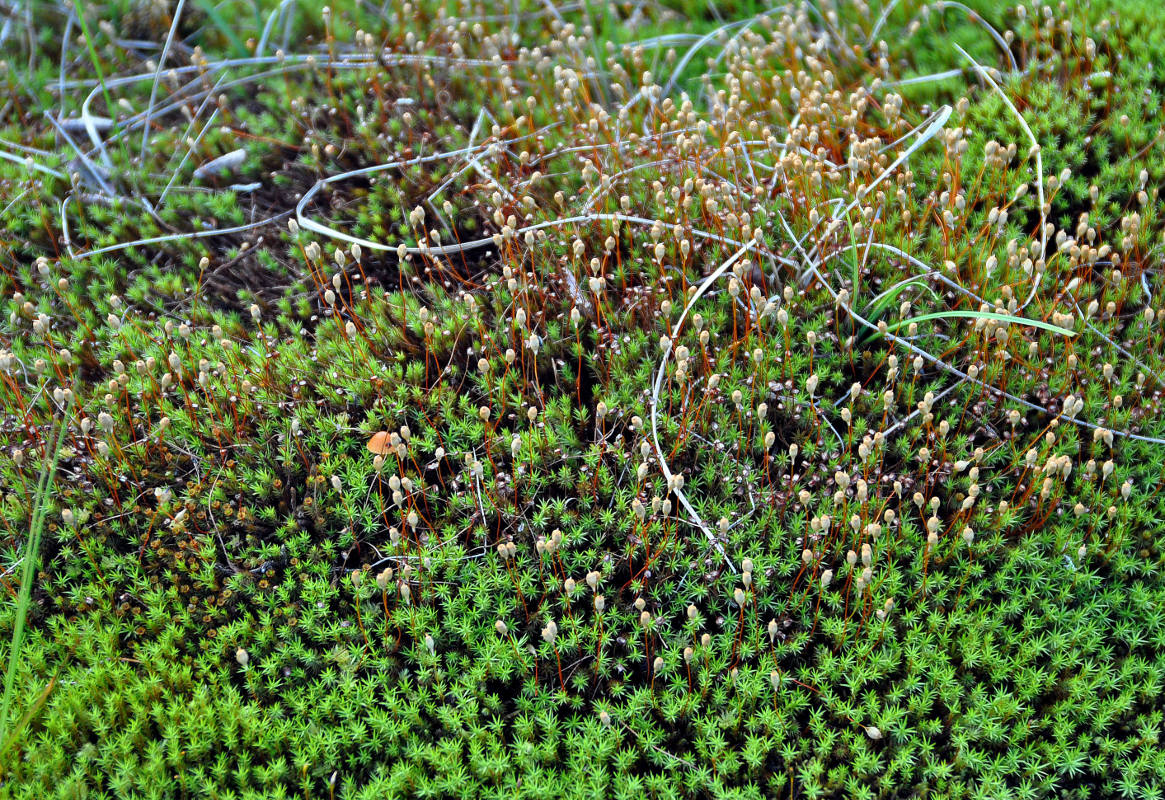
x=586 y=400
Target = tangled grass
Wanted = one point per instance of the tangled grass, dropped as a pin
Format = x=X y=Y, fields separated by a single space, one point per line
x=579 y=400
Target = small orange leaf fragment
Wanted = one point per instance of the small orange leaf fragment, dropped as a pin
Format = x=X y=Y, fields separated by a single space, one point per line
x=379 y=443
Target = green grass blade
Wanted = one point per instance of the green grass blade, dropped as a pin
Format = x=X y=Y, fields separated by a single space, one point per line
x=222 y=26
x=991 y=315
x=27 y=573
x=111 y=109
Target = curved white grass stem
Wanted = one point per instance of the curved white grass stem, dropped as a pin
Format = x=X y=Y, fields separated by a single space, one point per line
x=158 y=76
x=307 y=223
x=175 y=237
x=663 y=465
x=943 y=5
x=1038 y=274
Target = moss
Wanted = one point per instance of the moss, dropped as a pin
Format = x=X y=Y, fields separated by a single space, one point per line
x=537 y=507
